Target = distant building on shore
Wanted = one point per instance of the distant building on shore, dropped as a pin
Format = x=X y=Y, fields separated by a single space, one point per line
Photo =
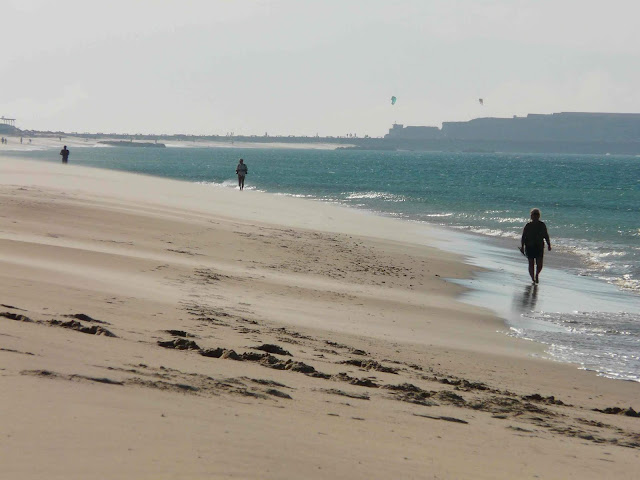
x=413 y=133
x=556 y=127
x=566 y=132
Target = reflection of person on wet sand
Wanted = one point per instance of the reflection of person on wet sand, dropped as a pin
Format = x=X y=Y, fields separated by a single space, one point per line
x=529 y=298
x=534 y=235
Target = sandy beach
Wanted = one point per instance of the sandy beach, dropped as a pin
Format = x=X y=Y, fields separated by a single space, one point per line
x=152 y=328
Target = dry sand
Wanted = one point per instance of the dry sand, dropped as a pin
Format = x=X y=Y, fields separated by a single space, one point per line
x=158 y=329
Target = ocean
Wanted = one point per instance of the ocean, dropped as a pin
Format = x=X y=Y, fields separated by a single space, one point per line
x=586 y=309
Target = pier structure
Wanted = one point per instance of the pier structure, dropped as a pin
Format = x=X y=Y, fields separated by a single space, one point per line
x=8 y=121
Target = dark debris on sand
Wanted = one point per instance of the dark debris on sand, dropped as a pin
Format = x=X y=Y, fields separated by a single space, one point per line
x=370 y=365
x=79 y=327
x=270 y=348
x=15 y=316
x=536 y=397
x=358 y=396
x=85 y=318
x=360 y=382
x=11 y=307
x=507 y=405
x=440 y=417
x=267 y=382
x=179 y=344
x=278 y=393
x=179 y=333
x=71 y=324
x=629 y=412
x=264 y=359
x=407 y=392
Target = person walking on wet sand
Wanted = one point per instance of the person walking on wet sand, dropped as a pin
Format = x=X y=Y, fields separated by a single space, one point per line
x=65 y=154
x=241 y=171
x=534 y=235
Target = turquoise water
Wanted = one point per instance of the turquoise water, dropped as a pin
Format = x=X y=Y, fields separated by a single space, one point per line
x=591 y=205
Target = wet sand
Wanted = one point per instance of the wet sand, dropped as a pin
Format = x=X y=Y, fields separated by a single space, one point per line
x=158 y=329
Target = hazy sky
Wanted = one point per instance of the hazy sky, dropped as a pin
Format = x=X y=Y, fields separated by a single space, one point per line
x=304 y=67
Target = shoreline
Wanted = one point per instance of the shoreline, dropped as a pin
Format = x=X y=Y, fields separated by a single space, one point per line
x=378 y=345
x=576 y=258
x=479 y=295
x=546 y=313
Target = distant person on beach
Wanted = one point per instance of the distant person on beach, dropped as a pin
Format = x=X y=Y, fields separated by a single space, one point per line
x=241 y=171
x=534 y=235
x=65 y=154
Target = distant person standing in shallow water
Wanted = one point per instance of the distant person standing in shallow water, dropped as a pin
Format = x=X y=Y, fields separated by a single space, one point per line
x=534 y=235
x=241 y=171
x=65 y=154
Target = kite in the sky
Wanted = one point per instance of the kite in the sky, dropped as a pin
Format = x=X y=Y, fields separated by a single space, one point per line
x=481 y=101
x=393 y=100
